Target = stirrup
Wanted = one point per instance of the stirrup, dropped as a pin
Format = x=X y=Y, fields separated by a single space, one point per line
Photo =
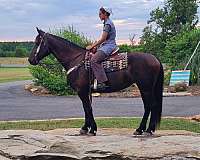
x=102 y=86
x=97 y=86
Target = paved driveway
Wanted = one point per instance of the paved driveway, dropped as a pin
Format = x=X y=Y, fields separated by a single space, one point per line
x=17 y=104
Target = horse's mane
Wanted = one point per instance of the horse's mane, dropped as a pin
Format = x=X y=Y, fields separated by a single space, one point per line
x=67 y=42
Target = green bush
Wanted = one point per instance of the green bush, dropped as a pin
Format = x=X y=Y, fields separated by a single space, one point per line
x=52 y=75
x=124 y=48
x=167 y=75
x=129 y=48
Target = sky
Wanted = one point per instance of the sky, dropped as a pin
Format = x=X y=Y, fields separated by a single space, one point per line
x=18 y=18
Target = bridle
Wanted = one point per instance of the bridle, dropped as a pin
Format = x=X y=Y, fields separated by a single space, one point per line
x=39 y=46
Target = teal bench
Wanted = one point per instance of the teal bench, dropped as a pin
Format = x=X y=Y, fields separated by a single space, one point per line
x=180 y=76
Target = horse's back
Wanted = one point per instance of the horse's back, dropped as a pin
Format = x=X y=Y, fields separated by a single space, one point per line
x=143 y=66
x=143 y=58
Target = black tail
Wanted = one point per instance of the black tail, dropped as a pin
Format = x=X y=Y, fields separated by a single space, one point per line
x=159 y=95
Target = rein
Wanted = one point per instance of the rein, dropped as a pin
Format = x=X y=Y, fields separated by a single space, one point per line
x=74 y=58
x=76 y=66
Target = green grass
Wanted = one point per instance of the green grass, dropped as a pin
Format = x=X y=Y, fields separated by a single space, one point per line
x=14 y=74
x=167 y=124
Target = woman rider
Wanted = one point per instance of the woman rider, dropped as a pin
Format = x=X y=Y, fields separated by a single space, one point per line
x=107 y=45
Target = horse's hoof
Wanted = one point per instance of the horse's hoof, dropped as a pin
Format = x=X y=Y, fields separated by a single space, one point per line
x=148 y=134
x=91 y=134
x=83 y=132
x=136 y=133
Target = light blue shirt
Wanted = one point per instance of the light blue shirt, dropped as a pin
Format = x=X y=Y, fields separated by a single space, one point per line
x=110 y=44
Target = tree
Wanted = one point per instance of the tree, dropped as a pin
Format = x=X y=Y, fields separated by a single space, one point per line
x=20 y=52
x=1 y=52
x=176 y=16
x=132 y=39
x=10 y=49
x=179 y=49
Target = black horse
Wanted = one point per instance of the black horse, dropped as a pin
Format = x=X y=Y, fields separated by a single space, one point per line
x=143 y=69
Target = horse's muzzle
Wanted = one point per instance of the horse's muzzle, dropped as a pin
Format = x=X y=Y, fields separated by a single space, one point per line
x=33 y=61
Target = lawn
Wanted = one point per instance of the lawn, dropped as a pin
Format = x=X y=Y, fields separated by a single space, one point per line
x=14 y=74
x=167 y=124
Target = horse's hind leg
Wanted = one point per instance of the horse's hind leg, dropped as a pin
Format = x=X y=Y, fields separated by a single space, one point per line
x=156 y=107
x=150 y=105
x=146 y=97
x=153 y=122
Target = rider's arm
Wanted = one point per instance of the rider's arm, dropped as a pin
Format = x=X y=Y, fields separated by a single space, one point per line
x=101 y=40
x=104 y=35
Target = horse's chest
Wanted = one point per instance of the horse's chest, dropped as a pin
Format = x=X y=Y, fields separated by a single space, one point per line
x=78 y=79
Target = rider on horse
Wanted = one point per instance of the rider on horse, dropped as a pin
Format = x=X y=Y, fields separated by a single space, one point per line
x=107 y=45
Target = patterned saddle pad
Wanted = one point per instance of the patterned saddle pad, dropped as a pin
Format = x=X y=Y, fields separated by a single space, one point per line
x=114 y=63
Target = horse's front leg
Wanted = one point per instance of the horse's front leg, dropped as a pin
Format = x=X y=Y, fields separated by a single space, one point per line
x=90 y=126
x=85 y=128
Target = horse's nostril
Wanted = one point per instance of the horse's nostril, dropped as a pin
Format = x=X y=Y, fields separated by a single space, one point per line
x=31 y=61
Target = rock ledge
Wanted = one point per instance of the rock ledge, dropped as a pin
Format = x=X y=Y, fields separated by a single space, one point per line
x=120 y=144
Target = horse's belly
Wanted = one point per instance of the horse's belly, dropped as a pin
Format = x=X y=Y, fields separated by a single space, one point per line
x=119 y=80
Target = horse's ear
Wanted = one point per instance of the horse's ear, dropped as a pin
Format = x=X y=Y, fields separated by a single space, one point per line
x=40 y=32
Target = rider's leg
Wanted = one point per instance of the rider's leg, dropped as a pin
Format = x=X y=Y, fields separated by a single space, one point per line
x=97 y=67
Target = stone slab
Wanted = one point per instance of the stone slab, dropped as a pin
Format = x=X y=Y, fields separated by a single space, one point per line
x=109 y=144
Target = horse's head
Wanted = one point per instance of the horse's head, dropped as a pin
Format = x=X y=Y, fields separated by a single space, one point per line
x=40 y=49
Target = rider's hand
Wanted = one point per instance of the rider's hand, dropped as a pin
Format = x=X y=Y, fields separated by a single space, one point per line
x=89 y=47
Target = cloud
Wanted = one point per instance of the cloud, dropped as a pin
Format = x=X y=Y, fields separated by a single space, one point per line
x=129 y=23
x=126 y=23
x=119 y=22
x=126 y=27
x=20 y=17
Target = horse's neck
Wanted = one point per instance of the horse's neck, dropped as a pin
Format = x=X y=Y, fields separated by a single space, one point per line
x=66 y=55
